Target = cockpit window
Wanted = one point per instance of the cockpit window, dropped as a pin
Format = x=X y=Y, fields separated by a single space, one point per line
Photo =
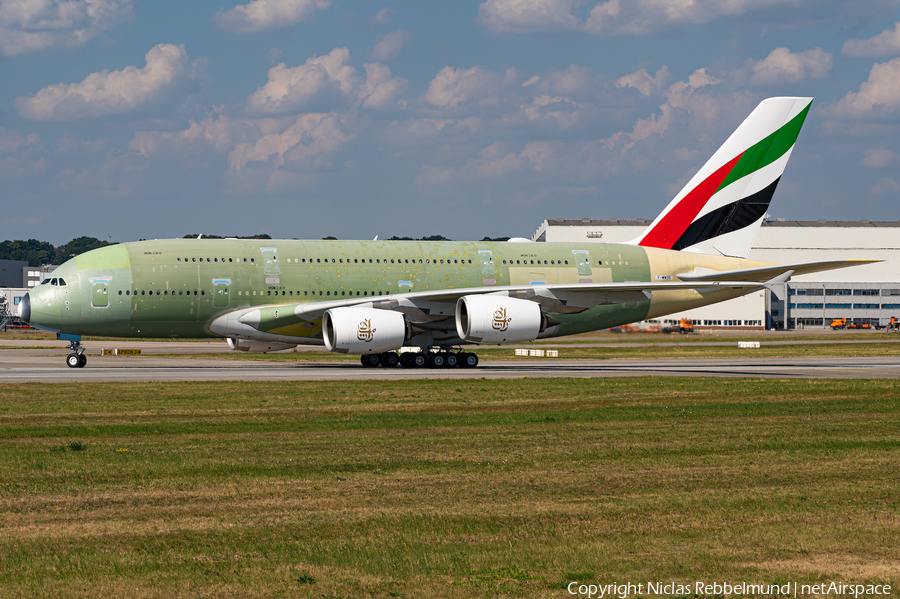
x=45 y=282
x=53 y=281
x=62 y=282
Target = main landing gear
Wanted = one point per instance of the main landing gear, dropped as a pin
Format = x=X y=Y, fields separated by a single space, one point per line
x=425 y=359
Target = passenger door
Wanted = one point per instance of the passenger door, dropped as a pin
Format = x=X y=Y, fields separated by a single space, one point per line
x=488 y=270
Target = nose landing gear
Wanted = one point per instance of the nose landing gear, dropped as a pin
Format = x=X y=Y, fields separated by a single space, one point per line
x=76 y=359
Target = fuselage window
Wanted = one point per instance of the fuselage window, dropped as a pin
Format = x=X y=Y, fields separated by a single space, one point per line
x=365 y=293
x=327 y=293
x=320 y=293
x=343 y=293
x=377 y=261
x=567 y=261
x=332 y=260
x=179 y=259
x=215 y=259
x=201 y=293
x=120 y=292
x=251 y=260
x=318 y=260
x=128 y=292
x=269 y=293
x=427 y=261
x=357 y=294
x=229 y=260
x=193 y=259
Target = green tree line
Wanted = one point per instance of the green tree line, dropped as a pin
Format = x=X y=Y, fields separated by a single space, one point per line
x=37 y=252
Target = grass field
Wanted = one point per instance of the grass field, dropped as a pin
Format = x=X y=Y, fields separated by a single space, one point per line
x=444 y=488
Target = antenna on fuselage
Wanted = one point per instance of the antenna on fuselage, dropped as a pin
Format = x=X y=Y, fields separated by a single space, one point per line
x=376 y=238
x=200 y=235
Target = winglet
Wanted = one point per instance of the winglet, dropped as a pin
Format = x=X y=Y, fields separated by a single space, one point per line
x=778 y=285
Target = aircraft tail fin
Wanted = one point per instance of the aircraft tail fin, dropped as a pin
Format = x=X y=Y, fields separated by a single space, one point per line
x=722 y=207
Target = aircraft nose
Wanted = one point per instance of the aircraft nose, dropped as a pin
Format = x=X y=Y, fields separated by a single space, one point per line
x=25 y=309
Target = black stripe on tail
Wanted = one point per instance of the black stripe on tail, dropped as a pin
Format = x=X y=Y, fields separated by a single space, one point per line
x=729 y=218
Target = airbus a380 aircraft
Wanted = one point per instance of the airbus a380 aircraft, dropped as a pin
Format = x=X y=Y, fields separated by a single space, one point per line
x=374 y=297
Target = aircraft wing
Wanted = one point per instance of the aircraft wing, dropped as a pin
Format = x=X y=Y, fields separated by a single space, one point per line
x=767 y=273
x=425 y=307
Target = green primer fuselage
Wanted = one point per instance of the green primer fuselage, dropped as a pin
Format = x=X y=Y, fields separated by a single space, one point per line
x=176 y=288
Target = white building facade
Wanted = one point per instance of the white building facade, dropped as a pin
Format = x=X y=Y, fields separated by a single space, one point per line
x=861 y=294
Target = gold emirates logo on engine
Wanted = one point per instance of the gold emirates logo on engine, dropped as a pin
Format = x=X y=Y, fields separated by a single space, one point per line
x=500 y=322
x=365 y=332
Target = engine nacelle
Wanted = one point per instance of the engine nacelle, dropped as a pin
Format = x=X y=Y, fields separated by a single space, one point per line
x=497 y=319
x=253 y=346
x=363 y=330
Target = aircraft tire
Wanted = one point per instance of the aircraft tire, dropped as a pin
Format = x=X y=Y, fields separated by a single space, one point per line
x=469 y=360
x=419 y=361
x=390 y=359
x=436 y=360
x=452 y=361
x=73 y=361
x=82 y=361
x=370 y=360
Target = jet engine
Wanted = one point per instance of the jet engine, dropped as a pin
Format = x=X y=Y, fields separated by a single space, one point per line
x=257 y=346
x=363 y=330
x=498 y=319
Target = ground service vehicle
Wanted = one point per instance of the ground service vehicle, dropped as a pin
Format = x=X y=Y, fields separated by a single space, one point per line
x=686 y=326
x=838 y=323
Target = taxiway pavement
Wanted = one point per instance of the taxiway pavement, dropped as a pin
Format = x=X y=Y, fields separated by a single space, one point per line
x=44 y=368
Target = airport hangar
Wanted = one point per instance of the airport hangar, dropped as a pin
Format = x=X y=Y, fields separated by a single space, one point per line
x=861 y=294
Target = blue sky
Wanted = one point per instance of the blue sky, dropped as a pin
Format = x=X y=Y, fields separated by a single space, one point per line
x=130 y=119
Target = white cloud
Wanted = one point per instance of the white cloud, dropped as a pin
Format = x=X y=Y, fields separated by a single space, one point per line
x=783 y=66
x=884 y=187
x=885 y=43
x=878 y=157
x=609 y=17
x=112 y=92
x=880 y=94
x=452 y=87
x=389 y=46
x=34 y=25
x=265 y=15
x=382 y=16
x=321 y=78
x=643 y=82
x=528 y=16
x=380 y=90
x=11 y=141
x=309 y=142
x=321 y=82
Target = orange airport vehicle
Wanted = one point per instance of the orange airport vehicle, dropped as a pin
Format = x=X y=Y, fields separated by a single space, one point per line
x=686 y=326
x=838 y=323
x=894 y=325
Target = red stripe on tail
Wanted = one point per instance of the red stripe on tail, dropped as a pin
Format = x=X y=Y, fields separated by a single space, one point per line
x=678 y=219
